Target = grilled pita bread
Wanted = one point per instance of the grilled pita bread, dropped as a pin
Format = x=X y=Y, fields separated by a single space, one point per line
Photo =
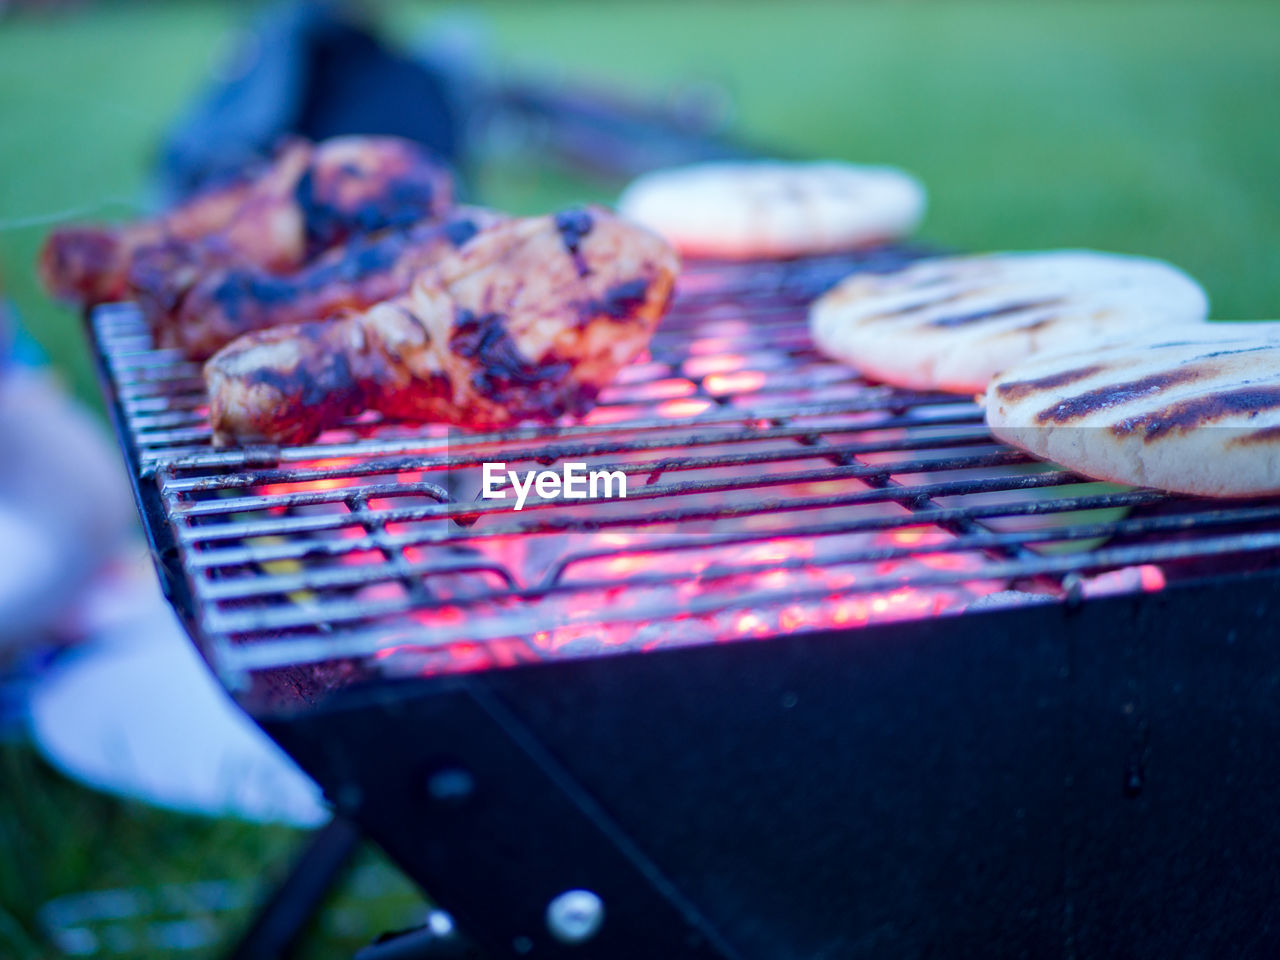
x=952 y=323
x=1194 y=409
x=774 y=209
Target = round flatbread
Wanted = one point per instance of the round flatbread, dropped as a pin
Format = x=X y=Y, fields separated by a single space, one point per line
x=774 y=209
x=952 y=323
x=1193 y=410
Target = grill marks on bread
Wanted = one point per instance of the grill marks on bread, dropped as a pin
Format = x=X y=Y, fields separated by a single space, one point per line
x=1200 y=412
x=953 y=323
x=1116 y=394
x=1195 y=410
x=1024 y=311
x=1267 y=435
x=1151 y=425
x=1022 y=388
x=904 y=312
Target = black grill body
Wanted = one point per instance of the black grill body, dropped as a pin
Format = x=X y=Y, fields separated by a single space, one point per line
x=1036 y=782
x=1077 y=775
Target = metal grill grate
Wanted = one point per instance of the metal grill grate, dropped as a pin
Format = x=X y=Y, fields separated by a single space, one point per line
x=769 y=490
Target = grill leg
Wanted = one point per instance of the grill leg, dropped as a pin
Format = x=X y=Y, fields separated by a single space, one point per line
x=436 y=940
x=274 y=930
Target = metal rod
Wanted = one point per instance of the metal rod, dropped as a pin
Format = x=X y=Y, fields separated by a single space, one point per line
x=279 y=923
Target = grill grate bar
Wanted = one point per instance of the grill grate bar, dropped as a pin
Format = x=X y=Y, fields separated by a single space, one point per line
x=962 y=526
x=266 y=654
x=161 y=404
x=994 y=456
x=896 y=494
x=255 y=585
x=979 y=539
x=873 y=400
x=293 y=550
x=407 y=464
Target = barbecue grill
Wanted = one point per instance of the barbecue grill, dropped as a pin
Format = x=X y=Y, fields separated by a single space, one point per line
x=841 y=676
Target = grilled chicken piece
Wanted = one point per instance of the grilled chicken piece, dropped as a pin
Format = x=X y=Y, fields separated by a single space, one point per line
x=229 y=302
x=527 y=321
x=90 y=264
x=307 y=200
x=359 y=185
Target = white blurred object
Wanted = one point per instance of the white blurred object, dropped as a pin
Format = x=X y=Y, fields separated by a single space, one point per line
x=774 y=208
x=137 y=713
x=30 y=575
x=65 y=504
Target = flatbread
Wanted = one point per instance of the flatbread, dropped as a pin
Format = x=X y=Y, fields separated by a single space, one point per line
x=774 y=209
x=952 y=323
x=1193 y=410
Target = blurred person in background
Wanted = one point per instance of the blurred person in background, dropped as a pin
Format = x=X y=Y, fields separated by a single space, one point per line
x=65 y=505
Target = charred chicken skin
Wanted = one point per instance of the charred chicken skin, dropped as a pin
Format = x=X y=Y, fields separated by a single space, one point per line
x=529 y=320
x=310 y=198
x=229 y=302
x=90 y=264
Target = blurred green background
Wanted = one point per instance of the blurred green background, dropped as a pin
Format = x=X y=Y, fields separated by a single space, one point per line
x=1141 y=127
x=1144 y=127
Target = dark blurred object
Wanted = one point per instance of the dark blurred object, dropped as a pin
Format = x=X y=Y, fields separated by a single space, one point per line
x=581 y=124
x=309 y=69
x=607 y=133
x=312 y=69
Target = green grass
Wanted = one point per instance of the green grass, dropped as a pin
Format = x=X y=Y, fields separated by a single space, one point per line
x=57 y=838
x=1137 y=127
x=83 y=101
x=1142 y=127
